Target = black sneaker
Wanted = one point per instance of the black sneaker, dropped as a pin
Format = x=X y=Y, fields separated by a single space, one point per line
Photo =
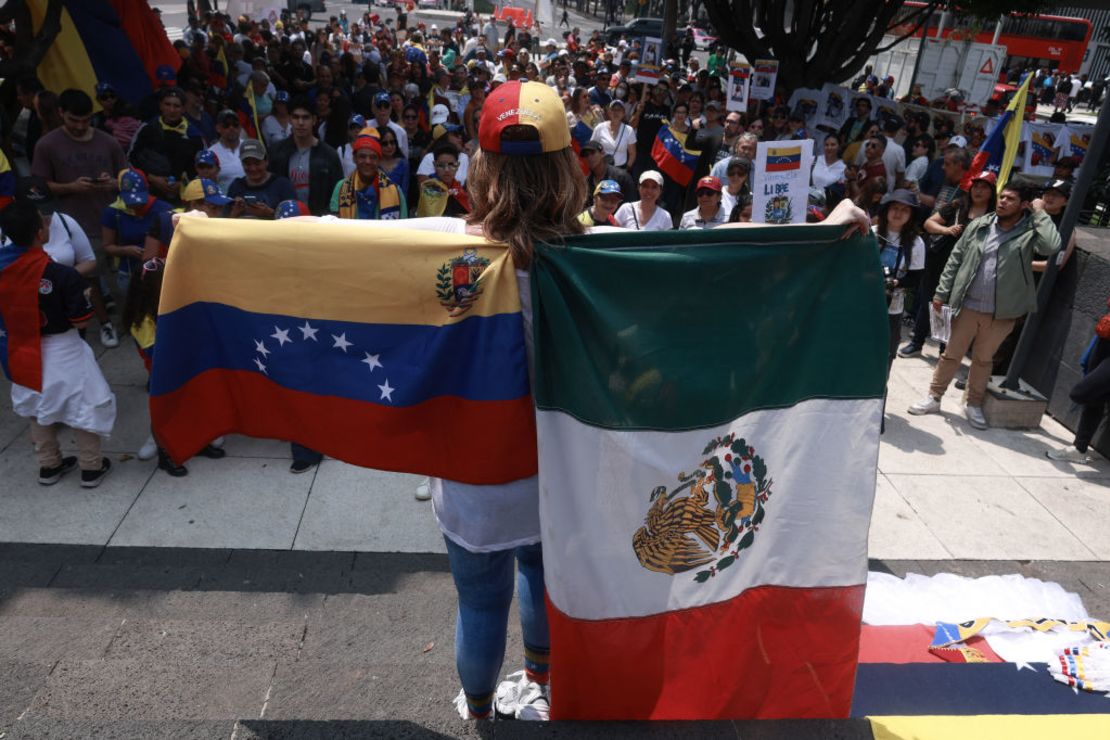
x=93 y=478
x=172 y=469
x=909 y=349
x=50 y=476
x=961 y=384
x=301 y=466
x=214 y=453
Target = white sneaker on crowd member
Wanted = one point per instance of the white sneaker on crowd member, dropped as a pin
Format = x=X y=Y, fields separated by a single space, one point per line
x=927 y=405
x=108 y=336
x=218 y=443
x=521 y=698
x=1069 y=454
x=464 y=709
x=975 y=416
x=424 y=490
x=149 y=449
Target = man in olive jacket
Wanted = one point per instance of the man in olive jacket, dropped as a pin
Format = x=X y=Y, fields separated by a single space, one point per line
x=988 y=282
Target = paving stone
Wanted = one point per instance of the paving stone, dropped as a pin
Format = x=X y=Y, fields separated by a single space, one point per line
x=304 y=559
x=896 y=530
x=122 y=729
x=208 y=640
x=388 y=572
x=30 y=552
x=151 y=689
x=288 y=580
x=19 y=682
x=18 y=575
x=55 y=638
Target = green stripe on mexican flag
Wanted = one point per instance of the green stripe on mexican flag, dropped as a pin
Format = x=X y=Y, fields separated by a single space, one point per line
x=708 y=417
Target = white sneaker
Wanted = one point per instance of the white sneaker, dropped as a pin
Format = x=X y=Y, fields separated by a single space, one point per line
x=927 y=405
x=1069 y=454
x=522 y=699
x=464 y=709
x=149 y=449
x=424 y=490
x=218 y=443
x=975 y=416
x=108 y=336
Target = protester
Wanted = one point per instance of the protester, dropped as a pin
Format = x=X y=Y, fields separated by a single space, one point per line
x=986 y=284
x=226 y=148
x=311 y=165
x=368 y=193
x=710 y=212
x=607 y=197
x=828 y=167
x=258 y=192
x=646 y=214
x=165 y=147
x=278 y=125
x=444 y=194
x=125 y=223
x=598 y=169
x=617 y=138
x=56 y=378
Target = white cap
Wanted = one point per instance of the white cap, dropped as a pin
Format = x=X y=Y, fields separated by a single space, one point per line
x=957 y=141
x=435 y=27
x=551 y=42
x=439 y=114
x=652 y=175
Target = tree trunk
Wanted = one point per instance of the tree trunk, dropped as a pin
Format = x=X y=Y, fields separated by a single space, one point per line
x=670 y=22
x=30 y=47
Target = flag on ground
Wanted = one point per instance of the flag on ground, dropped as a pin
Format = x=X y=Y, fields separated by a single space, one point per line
x=674 y=159
x=708 y=418
x=389 y=348
x=999 y=150
x=784 y=159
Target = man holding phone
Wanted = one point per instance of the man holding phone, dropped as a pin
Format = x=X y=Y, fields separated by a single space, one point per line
x=258 y=193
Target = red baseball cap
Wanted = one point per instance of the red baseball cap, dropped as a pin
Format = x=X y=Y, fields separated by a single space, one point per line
x=709 y=182
x=517 y=103
x=987 y=177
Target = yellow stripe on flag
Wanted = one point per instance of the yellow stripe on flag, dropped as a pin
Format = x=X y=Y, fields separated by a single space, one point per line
x=788 y=152
x=392 y=274
x=66 y=64
x=1013 y=132
x=992 y=727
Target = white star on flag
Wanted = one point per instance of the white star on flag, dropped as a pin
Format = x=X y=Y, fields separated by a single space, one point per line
x=387 y=392
x=260 y=365
x=281 y=335
x=260 y=348
x=1023 y=665
x=372 y=361
x=307 y=331
x=341 y=341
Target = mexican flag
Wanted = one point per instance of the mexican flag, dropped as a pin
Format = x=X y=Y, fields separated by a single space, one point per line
x=708 y=409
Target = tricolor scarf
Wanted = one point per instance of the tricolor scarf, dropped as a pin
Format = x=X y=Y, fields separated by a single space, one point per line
x=377 y=200
x=20 y=324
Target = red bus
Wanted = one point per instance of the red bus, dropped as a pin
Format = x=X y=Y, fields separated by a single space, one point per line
x=1052 y=41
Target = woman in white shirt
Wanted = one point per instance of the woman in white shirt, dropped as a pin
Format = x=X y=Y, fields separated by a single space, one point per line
x=922 y=155
x=828 y=169
x=646 y=214
x=616 y=137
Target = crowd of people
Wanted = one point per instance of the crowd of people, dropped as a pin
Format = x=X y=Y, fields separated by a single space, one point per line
x=371 y=119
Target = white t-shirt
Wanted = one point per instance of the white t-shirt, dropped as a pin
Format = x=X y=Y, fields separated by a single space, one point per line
x=427 y=167
x=628 y=216
x=825 y=174
x=917 y=168
x=231 y=167
x=887 y=251
x=68 y=248
x=273 y=131
x=615 y=146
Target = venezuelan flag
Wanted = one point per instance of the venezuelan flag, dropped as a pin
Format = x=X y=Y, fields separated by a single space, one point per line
x=116 y=41
x=784 y=159
x=385 y=347
x=674 y=159
x=999 y=150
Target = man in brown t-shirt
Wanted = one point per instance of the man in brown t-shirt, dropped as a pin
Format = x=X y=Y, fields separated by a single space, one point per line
x=79 y=164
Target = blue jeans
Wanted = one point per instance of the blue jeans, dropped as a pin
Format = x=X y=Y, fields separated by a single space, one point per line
x=484 y=581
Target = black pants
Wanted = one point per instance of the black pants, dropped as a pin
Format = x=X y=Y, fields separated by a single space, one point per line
x=1093 y=392
x=934 y=267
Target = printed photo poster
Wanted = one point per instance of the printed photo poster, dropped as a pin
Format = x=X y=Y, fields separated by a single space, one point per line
x=1042 y=140
x=883 y=108
x=739 y=78
x=837 y=107
x=807 y=102
x=764 y=75
x=1077 y=141
x=649 y=68
x=780 y=184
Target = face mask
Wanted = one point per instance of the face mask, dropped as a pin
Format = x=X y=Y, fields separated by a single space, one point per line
x=264 y=105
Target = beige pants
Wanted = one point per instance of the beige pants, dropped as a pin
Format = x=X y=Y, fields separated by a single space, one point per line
x=49 y=454
x=988 y=333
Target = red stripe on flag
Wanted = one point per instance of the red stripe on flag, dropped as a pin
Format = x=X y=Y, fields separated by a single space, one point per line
x=909 y=643
x=448 y=437
x=19 y=305
x=772 y=652
x=670 y=165
x=783 y=166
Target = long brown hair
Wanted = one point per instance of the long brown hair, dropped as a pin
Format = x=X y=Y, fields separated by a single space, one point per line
x=524 y=199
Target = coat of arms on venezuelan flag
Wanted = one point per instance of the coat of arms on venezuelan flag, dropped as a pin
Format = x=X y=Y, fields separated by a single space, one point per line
x=459 y=282
x=784 y=158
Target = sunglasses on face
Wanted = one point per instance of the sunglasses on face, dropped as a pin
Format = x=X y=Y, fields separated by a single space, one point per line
x=706 y=193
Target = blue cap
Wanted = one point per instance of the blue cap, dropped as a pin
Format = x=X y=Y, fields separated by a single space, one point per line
x=281 y=97
x=382 y=97
x=290 y=208
x=357 y=120
x=204 y=189
x=133 y=190
x=453 y=128
x=608 y=187
x=207 y=157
